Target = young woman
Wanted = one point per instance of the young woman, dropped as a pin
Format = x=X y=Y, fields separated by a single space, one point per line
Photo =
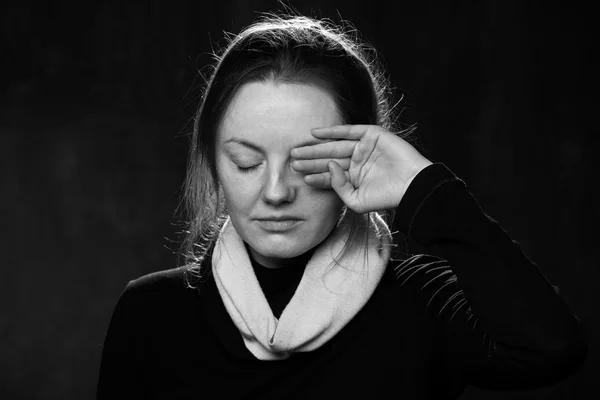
x=325 y=256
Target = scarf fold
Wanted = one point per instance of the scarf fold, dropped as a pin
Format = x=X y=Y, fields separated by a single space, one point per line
x=324 y=301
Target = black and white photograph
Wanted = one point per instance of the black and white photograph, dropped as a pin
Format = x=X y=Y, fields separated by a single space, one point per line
x=286 y=199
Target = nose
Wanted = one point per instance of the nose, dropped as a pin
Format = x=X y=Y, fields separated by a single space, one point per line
x=279 y=186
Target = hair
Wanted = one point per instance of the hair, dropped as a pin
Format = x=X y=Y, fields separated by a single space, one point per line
x=282 y=49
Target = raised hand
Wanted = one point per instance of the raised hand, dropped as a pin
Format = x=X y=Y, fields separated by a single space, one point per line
x=368 y=167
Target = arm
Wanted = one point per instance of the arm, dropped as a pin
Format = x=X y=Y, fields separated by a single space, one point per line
x=502 y=325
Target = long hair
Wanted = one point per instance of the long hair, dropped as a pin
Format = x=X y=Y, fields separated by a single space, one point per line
x=283 y=49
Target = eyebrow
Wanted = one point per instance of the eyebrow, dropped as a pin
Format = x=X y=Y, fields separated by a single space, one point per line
x=254 y=146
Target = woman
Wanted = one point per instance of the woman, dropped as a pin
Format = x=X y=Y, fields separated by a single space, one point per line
x=325 y=255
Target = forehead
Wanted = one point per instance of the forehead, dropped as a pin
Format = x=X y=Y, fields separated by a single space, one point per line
x=277 y=115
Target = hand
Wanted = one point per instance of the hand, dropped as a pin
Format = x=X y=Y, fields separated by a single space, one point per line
x=367 y=166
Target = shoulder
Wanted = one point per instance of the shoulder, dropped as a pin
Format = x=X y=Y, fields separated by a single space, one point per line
x=160 y=288
x=156 y=301
x=170 y=279
x=153 y=308
x=426 y=280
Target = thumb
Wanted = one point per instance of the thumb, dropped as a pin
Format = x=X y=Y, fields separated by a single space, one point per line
x=339 y=182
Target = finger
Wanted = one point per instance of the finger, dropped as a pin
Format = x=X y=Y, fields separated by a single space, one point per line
x=322 y=180
x=318 y=166
x=365 y=148
x=341 y=132
x=340 y=183
x=336 y=149
x=319 y=181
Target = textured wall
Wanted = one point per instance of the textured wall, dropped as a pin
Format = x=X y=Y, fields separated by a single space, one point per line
x=95 y=101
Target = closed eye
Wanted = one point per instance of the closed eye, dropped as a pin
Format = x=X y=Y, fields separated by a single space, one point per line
x=248 y=169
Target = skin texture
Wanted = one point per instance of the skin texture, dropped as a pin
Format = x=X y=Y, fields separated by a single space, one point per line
x=277 y=118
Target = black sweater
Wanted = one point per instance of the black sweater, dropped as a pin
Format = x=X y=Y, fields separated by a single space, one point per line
x=459 y=304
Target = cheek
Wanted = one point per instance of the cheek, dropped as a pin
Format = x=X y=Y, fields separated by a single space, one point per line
x=328 y=206
x=239 y=194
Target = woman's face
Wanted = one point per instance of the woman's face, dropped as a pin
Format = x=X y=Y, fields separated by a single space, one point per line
x=263 y=123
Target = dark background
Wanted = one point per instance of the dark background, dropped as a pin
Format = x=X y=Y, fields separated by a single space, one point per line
x=96 y=101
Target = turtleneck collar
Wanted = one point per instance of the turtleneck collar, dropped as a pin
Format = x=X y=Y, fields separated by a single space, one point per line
x=282 y=278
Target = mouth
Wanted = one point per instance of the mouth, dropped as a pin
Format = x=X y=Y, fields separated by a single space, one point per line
x=278 y=225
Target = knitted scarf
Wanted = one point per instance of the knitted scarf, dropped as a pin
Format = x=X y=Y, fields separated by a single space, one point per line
x=324 y=302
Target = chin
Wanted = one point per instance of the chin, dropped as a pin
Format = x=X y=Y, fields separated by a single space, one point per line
x=278 y=246
x=273 y=249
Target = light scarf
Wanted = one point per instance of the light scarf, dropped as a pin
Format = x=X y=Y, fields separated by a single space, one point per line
x=322 y=304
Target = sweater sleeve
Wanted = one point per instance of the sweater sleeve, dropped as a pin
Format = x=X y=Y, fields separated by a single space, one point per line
x=122 y=363
x=501 y=324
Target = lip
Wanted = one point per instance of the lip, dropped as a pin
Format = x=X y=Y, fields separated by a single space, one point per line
x=279 y=218
x=278 y=225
